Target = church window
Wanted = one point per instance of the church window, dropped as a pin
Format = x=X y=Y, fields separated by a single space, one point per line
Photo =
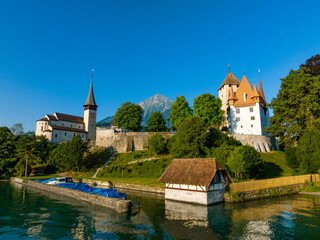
x=251 y=109
x=41 y=128
x=62 y=124
x=253 y=118
x=237 y=110
x=238 y=119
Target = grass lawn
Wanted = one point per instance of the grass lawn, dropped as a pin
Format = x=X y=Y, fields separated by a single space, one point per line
x=141 y=181
x=276 y=165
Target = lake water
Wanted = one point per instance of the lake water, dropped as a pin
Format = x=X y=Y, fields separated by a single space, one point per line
x=28 y=213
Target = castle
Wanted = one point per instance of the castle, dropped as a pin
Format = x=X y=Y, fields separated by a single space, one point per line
x=61 y=127
x=245 y=110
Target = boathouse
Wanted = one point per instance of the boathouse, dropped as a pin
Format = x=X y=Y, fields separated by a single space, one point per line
x=196 y=180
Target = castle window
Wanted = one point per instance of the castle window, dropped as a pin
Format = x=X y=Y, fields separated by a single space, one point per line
x=237 y=110
x=74 y=134
x=253 y=118
x=238 y=119
x=252 y=125
x=241 y=126
x=41 y=128
x=245 y=97
x=62 y=124
x=56 y=135
x=71 y=125
x=251 y=109
x=79 y=126
x=65 y=133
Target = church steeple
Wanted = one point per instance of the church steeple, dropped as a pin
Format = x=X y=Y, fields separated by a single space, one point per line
x=91 y=103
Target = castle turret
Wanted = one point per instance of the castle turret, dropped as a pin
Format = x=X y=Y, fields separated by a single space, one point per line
x=90 y=111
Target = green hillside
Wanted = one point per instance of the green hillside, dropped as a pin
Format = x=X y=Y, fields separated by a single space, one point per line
x=276 y=165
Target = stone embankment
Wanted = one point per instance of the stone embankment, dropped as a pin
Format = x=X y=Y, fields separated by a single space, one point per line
x=119 y=205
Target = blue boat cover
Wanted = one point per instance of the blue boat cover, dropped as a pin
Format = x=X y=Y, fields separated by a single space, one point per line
x=45 y=180
x=99 y=191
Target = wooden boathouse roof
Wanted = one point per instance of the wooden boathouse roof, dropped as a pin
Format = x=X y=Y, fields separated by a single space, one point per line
x=192 y=171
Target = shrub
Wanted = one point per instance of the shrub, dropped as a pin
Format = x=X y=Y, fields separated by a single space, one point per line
x=291 y=158
x=157 y=144
x=245 y=162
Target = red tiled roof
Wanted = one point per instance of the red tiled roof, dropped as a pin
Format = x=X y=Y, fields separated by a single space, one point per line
x=68 y=129
x=68 y=118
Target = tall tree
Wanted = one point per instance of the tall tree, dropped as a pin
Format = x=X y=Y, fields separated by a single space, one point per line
x=313 y=64
x=189 y=141
x=180 y=111
x=296 y=107
x=156 y=123
x=129 y=116
x=208 y=109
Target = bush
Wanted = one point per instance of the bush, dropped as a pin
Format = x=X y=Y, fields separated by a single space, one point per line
x=308 y=151
x=291 y=158
x=245 y=162
x=157 y=144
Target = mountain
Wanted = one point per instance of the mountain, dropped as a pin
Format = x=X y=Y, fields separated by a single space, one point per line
x=157 y=103
x=106 y=122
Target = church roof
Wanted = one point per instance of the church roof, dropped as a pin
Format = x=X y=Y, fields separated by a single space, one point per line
x=68 y=118
x=43 y=119
x=193 y=171
x=90 y=99
x=230 y=79
x=69 y=129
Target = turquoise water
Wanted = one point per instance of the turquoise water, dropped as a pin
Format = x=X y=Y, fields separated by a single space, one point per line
x=27 y=213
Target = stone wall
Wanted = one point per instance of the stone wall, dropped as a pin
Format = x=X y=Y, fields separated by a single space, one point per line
x=260 y=142
x=124 y=141
x=118 y=205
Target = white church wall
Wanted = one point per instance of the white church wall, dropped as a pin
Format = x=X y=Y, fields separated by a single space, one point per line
x=59 y=136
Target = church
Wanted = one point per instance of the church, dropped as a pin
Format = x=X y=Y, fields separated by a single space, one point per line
x=61 y=127
x=245 y=107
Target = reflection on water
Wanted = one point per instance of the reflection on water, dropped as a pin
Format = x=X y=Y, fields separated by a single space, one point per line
x=27 y=213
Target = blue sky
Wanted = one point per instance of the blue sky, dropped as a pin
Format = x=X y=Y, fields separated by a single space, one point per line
x=140 y=48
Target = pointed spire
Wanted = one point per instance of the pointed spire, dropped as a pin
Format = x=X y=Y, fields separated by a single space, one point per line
x=255 y=91
x=230 y=80
x=261 y=91
x=91 y=103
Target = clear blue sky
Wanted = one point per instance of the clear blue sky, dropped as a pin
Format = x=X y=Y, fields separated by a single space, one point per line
x=140 y=48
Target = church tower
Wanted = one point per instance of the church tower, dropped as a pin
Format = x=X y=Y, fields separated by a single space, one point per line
x=90 y=114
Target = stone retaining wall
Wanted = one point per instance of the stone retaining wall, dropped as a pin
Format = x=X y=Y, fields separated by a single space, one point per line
x=119 y=205
x=135 y=187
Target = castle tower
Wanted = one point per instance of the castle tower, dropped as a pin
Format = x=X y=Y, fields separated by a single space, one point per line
x=90 y=111
x=229 y=84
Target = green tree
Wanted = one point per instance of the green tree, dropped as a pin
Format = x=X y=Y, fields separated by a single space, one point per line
x=222 y=153
x=245 y=162
x=7 y=152
x=70 y=155
x=189 y=141
x=208 y=109
x=129 y=116
x=157 y=144
x=180 y=111
x=296 y=107
x=156 y=123
x=291 y=158
x=308 y=151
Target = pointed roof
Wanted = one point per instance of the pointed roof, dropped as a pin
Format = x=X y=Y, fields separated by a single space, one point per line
x=261 y=91
x=232 y=95
x=230 y=79
x=91 y=103
x=244 y=88
x=255 y=91
x=193 y=171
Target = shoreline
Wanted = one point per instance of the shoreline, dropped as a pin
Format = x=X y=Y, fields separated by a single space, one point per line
x=310 y=193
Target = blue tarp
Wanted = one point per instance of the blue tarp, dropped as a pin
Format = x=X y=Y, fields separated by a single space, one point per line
x=99 y=191
x=45 y=180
